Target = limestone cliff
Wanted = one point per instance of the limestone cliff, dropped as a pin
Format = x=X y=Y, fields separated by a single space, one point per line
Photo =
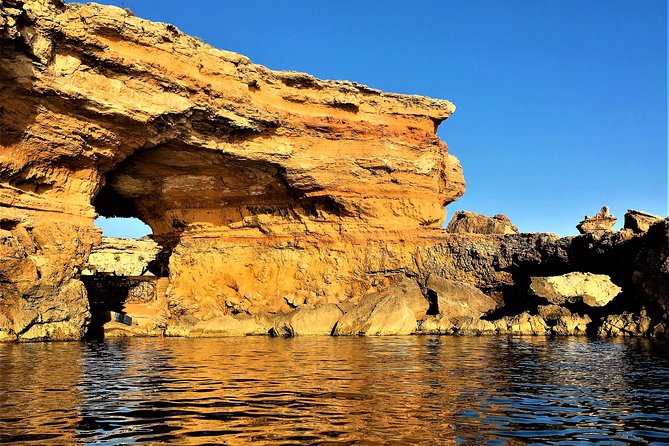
x=280 y=203
x=256 y=183
x=122 y=257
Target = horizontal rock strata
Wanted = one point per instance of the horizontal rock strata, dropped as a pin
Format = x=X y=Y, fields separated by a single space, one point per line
x=256 y=183
x=278 y=203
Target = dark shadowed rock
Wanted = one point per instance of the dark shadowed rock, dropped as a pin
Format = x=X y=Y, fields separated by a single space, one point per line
x=651 y=266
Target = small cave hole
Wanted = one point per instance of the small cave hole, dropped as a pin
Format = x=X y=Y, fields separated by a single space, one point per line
x=433 y=300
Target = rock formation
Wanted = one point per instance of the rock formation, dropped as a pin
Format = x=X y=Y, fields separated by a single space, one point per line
x=279 y=203
x=122 y=256
x=457 y=300
x=600 y=223
x=256 y=184
x=464 y=222
x=639 y=221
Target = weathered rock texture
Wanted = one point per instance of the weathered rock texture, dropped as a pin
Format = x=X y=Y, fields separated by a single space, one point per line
x=595 y=290
x=640 y=221
x=600 y=223
x=257 y=184
x=457 y=300
x=465 y=222
x=280 y=202
x=122 y=256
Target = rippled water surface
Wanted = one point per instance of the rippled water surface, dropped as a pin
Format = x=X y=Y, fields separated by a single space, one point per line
x=392 y=390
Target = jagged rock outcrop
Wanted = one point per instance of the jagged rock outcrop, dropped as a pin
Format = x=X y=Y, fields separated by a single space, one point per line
x=640 y=221
x=571 y=325
x=600 y=223
x=279 y=201
x=595 y=290
x=465 y=222
x=650 y=270
x=627 y=324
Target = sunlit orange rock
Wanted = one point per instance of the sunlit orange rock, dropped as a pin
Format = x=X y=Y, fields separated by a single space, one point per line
x=257 y=184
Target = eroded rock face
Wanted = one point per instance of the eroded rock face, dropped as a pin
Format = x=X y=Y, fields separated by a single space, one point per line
x=651 y=266
x=278 y=200
x=244 y=174
x=465 y=222
x=627 y=324
x=122 y=256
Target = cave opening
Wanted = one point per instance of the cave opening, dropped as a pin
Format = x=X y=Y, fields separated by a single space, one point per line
x=182 y=190
x=127 y=273
x=123 y=227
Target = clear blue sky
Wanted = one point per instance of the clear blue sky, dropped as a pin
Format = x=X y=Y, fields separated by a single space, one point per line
x=561 y=104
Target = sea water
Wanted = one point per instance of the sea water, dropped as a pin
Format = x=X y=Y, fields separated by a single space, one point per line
x=324 y=390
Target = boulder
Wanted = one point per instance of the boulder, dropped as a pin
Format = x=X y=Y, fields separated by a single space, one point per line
x=626 y=324
x=388 y=312
x=569 y=325
x=413 y=297
x=600 y=223
x=552 y=312
x=465 y=222
x=595 y=290
x=456 y=300
x=307 y=321
x=639 y=221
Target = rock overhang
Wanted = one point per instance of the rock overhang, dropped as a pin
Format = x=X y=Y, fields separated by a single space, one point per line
x=242 y=172
x=136 y=85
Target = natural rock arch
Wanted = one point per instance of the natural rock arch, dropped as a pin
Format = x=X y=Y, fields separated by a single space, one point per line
x=261 y=184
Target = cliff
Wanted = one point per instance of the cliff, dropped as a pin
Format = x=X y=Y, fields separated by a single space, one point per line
x=276 y=199
x=256 y=183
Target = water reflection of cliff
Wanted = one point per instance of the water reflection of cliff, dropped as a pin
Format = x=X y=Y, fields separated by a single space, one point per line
x=39 y=395
x=410 y=390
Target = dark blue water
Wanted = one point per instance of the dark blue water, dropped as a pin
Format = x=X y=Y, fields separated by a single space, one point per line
x=391 y=390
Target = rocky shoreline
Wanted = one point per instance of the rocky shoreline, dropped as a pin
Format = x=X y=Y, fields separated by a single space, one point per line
x=512 y=268
x=279 y=204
